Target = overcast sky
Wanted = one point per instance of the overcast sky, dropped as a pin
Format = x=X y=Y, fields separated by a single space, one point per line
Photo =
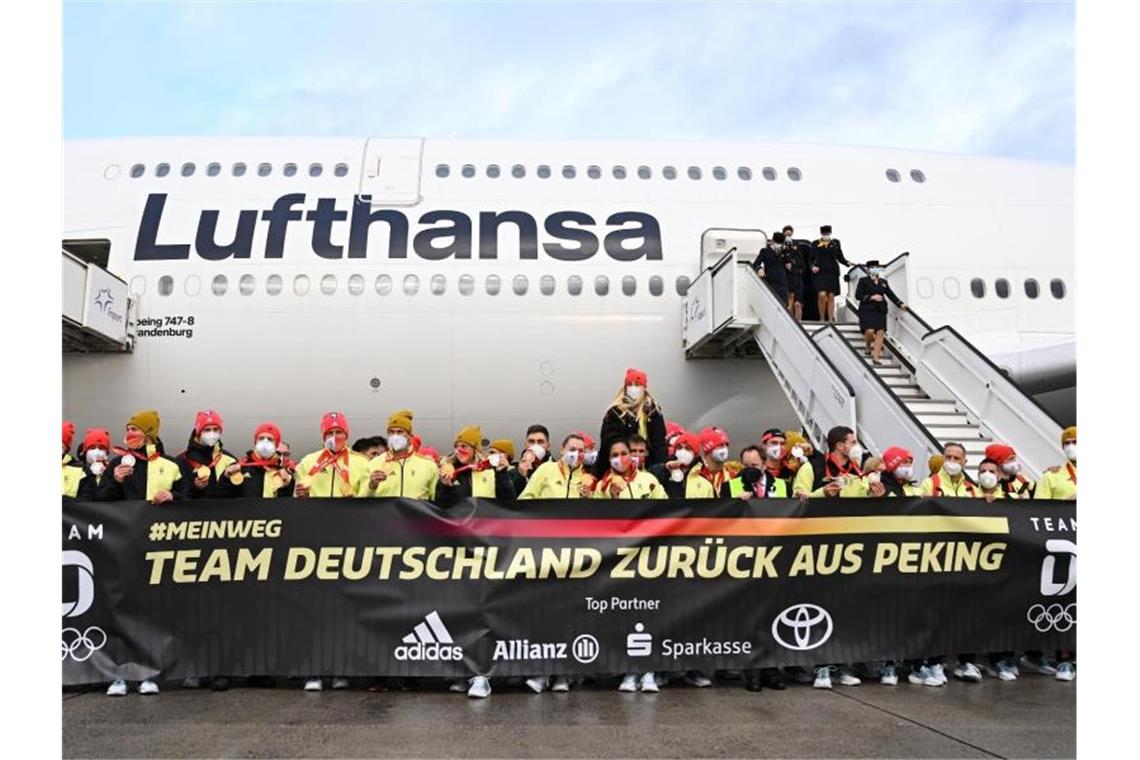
x=978 y=78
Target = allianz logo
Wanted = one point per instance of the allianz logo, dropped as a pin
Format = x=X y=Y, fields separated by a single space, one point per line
x=584 y=649
x=429 y=641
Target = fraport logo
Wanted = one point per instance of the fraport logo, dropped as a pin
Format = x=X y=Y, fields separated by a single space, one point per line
x=103 y=299
x=429 y=641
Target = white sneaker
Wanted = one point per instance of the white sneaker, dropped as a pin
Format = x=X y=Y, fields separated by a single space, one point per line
x=561 y=683
x=1065 y=672
x=822 y=678
x=939 y=673
x=314 y=684
x=847 y=678
x=918 y=677
x=698 y=679
x=888 y=676
x=148 y=687
x=1006 y=671
x=117 y=689
x=968 y=671
x=191 y=683
x=536 y=684
x=649 y=683
x=628 y=683
x=458 y=686
x=340 y=683
x=480 y=687
x=1042 y=668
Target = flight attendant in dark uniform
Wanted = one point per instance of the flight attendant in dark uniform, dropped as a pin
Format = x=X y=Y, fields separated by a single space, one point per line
x=769 y=264
x=794 y=265
x=826 y=256
x=872 y=294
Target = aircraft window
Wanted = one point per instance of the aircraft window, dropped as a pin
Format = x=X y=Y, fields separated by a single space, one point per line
x=492 y=284
x=794 y=174
x=518 y=171
x=893 y=175
x=219 y=285
x=719 y=173
x=546 y=285
x=601 y=285
x=165 y=285
x=568 y=172
x=1001 y=287
x=438 y=284
x=656 y=285
x=442 y=170
x=383 y=285
x=1056 y=287
x=213 y=169
x=493 y=171
x=246 y=285
x=466 y=284
x=574 y=285
x=467 y=171
x=951 y=287
x=356 y=284
x=340 y=170
x=193 y=286
x=289 y=170
x=644 y=172
x=629 y=285
x=744 y=173
x=138 y=285
x=594 y=172
x=188 y=169
x=137 y=171
x=239 y=169
x=619 y=172
x=769 y=173
x=264 y=170
x=682 y=285
x=411 y=285
x=520 y=284
x=162 y=170
x=917 y=175
x=543 y=171
x=112 y=171
x=315 y=170
x=694 y=172
x=328 y=284
x=925 y=287
x=669 y=172
x=301 y=285
x=1032 y=289
x=978 y=287
x=273 y=284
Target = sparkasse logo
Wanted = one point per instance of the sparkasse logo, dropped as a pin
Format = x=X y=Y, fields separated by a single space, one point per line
x=429 y=641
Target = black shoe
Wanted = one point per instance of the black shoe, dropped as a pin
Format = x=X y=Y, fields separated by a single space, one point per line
x=262 y=682
x=754 y=683
x=221 y=683
x=772 y=679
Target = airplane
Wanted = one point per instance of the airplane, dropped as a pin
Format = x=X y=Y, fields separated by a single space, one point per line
x=505 y=283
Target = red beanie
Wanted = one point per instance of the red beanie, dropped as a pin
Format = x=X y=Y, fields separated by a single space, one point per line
x=68 y=433
x=204 y=418
x=894 y=456
x=636 y=377
x=688 y=440
x=428 y=451
x=96 y=438
x=586 y=439
x=711 y=438
x=1000 y=452
x=333 y=420
x=672 y=428
x=268 y=428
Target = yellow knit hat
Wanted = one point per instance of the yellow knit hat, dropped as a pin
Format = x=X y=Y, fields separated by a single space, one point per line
x=471 y=435
x=793 y=438
x=1069 y=434
x=504 y=445
x=147 y=422
x=935 y=464
x=401 y=419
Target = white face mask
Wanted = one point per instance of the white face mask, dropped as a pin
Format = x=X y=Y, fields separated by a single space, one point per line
x=616 y=464
x=684 y=456
x=1070 y=450
x=988 y=480
x=538 y=450
x=953 y=469
x=1012 y=467
x=210 y=438
x=570 y=458
x=98 y=467
x=330 y=443
x=590 y=457
x=634 y=393
x=855 y=454
x=798 y=454
x=265 y=447
x=495 y=459
x=876 y=273
x=775 y=451
x=904 y=473
x=676 y=475
x=720 y=455
x=397 y=442
x=94 y=455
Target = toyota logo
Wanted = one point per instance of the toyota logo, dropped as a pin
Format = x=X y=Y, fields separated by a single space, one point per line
x=1055 y=617
x=80 y=646
x=809 y=625
x=585 y=649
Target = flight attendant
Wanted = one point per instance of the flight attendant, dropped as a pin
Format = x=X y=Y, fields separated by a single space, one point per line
x=872 y=294
x=634 y=411
x=796 y=265
x=826 y=256
x=770 y=265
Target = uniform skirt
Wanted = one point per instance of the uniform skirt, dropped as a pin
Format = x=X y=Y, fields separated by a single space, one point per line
x=872 y=318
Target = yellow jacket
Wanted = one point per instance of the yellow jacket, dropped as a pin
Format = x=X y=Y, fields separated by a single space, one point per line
x=322 y=484
x=549 y=481
x=72 y=475
x=698 y=486
x=1058 y=485
x=960 y=488
x=860 y=488
x=413 y=476
x=643 y=486
x=802 y=483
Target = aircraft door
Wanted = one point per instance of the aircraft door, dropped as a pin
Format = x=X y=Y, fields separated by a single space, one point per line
x=392 y=171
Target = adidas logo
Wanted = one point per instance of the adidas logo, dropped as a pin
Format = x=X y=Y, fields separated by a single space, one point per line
x=429 y=641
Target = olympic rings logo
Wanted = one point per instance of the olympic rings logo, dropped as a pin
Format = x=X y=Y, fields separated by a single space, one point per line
x=1055 y=617
x=80 y=646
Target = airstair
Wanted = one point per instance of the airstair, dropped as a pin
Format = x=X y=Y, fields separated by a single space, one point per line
x=932 y=386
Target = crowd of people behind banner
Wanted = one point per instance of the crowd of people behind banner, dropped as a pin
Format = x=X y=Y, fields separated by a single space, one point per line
x=636 y=455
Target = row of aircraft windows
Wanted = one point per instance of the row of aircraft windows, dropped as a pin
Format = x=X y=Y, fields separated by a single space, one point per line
x=916 y=175
x=569 y=171
x=384 y=284
x=239 y=169
x=1002 y=289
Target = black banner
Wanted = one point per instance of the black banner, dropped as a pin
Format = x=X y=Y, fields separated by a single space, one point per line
x=288 y=587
